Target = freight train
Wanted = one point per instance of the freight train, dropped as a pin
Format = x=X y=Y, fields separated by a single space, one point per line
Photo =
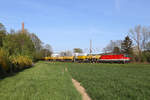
x=121 y=58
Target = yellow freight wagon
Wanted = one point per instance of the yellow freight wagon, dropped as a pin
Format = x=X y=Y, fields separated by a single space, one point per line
x=89 y=58
x=47 y=58
x=60 y=59
x=68 y=58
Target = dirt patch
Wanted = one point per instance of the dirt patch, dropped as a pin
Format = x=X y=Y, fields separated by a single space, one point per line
x=81 y=90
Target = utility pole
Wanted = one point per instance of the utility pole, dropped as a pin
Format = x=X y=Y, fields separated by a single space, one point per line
x=90 y=47
x=90 y=51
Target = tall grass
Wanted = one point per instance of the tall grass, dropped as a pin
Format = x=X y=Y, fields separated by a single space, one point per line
x=44 y=81
x=113 y=81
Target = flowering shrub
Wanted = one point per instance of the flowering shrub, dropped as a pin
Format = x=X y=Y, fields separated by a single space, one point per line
x=4 y=60
x=21 y=61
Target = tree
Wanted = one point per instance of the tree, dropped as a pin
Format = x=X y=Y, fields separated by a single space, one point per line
x=110 y=47
x=77 y=50
x=145 y=37
x=126 y=46
x=62 y=53
x=12 y=31
x=66 y=53
x=116 y=50
x=2 y=33
x=45 y=53
x=36 y=41
x=47 y=50
x=40 y=51
x=19 y=43
x=146 y=55
x=147 y=46
x=140 y=36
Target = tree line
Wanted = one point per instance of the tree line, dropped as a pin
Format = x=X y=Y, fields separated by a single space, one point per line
x=136 y=44
x=18 y=50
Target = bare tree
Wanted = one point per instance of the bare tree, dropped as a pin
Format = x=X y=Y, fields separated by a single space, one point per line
x=145 y=37
x=110 y=47
x=140 y=36
x=48 y=50
x=66 y=53
x=36 y=41
x=48 y=47
x=148 y=46
x=116 y=50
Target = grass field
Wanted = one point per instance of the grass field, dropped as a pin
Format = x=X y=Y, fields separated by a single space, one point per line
x=44 y=81
x=50 y=81
x=113 y=81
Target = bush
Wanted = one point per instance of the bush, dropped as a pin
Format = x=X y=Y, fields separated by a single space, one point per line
x=134 y=58
x=146 y=55
x=37 y=56
x=143 y=58
x=4 y=61
x=21 y=62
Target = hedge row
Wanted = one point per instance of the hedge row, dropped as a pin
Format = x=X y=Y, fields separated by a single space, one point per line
x=11 y=64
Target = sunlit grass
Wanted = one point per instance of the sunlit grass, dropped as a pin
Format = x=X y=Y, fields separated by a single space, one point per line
x=45 y=81
x=113 y=81
x=50 y=81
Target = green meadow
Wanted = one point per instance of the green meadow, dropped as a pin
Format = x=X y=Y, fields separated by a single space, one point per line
x=44 y=81
x=113 y=81
x=52 y=81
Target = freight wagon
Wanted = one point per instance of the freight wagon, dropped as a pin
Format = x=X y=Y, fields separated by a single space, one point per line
x=92 y=59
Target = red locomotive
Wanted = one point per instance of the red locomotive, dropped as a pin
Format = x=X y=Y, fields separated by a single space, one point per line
x=121 y=58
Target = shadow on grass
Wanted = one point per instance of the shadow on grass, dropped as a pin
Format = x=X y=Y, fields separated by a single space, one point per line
x=11 y=74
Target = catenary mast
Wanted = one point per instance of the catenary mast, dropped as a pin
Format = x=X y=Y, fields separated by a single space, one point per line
x=90 y=47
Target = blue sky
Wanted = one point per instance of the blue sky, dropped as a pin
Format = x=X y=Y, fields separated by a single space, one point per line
x=67 y=24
